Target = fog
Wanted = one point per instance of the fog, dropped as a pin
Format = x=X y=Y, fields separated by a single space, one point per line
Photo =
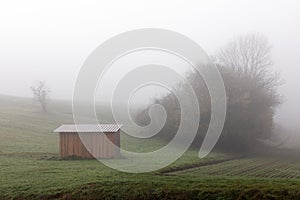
x=50 y=41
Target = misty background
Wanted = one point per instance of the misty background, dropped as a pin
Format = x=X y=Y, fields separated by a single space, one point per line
x=50 y=41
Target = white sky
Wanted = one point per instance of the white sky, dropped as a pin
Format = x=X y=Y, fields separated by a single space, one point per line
x=49 y=40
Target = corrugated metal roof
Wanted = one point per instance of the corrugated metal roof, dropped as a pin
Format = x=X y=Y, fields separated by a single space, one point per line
x=85 y=128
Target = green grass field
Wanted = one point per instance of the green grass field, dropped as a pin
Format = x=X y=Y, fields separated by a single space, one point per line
x=31 y=168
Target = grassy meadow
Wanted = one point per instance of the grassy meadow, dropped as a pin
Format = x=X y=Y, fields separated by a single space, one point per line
x=30 y=167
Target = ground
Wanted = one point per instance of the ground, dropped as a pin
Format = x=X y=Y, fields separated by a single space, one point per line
x=31 y=168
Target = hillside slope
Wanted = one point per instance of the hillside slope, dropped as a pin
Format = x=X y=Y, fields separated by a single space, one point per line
x=30 y=167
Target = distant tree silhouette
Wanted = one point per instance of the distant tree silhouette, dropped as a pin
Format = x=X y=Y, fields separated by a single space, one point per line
x=41 y=94
x=251 y=87
x=249 y=57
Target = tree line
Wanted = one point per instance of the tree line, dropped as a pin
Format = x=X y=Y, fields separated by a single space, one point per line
x=251 y=83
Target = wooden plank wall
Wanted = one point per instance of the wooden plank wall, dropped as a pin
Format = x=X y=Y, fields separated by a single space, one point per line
x=71 y=145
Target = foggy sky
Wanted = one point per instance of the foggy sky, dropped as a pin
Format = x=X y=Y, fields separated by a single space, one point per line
x=50 y=40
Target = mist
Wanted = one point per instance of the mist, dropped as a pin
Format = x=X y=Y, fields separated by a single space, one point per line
x=51 y=41
x=152 y=99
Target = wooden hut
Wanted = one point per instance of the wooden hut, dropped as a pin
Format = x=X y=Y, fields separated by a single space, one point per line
x=88 y=140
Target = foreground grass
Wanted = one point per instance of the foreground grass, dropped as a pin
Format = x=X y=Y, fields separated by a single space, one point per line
x=30 y=167
x=43 y=178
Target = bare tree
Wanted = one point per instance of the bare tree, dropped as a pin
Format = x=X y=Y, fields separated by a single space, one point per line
x=41 y=94
x=250 y=57
x=251 y=87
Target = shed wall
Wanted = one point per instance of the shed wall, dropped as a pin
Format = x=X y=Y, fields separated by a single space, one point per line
x=71 y=145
